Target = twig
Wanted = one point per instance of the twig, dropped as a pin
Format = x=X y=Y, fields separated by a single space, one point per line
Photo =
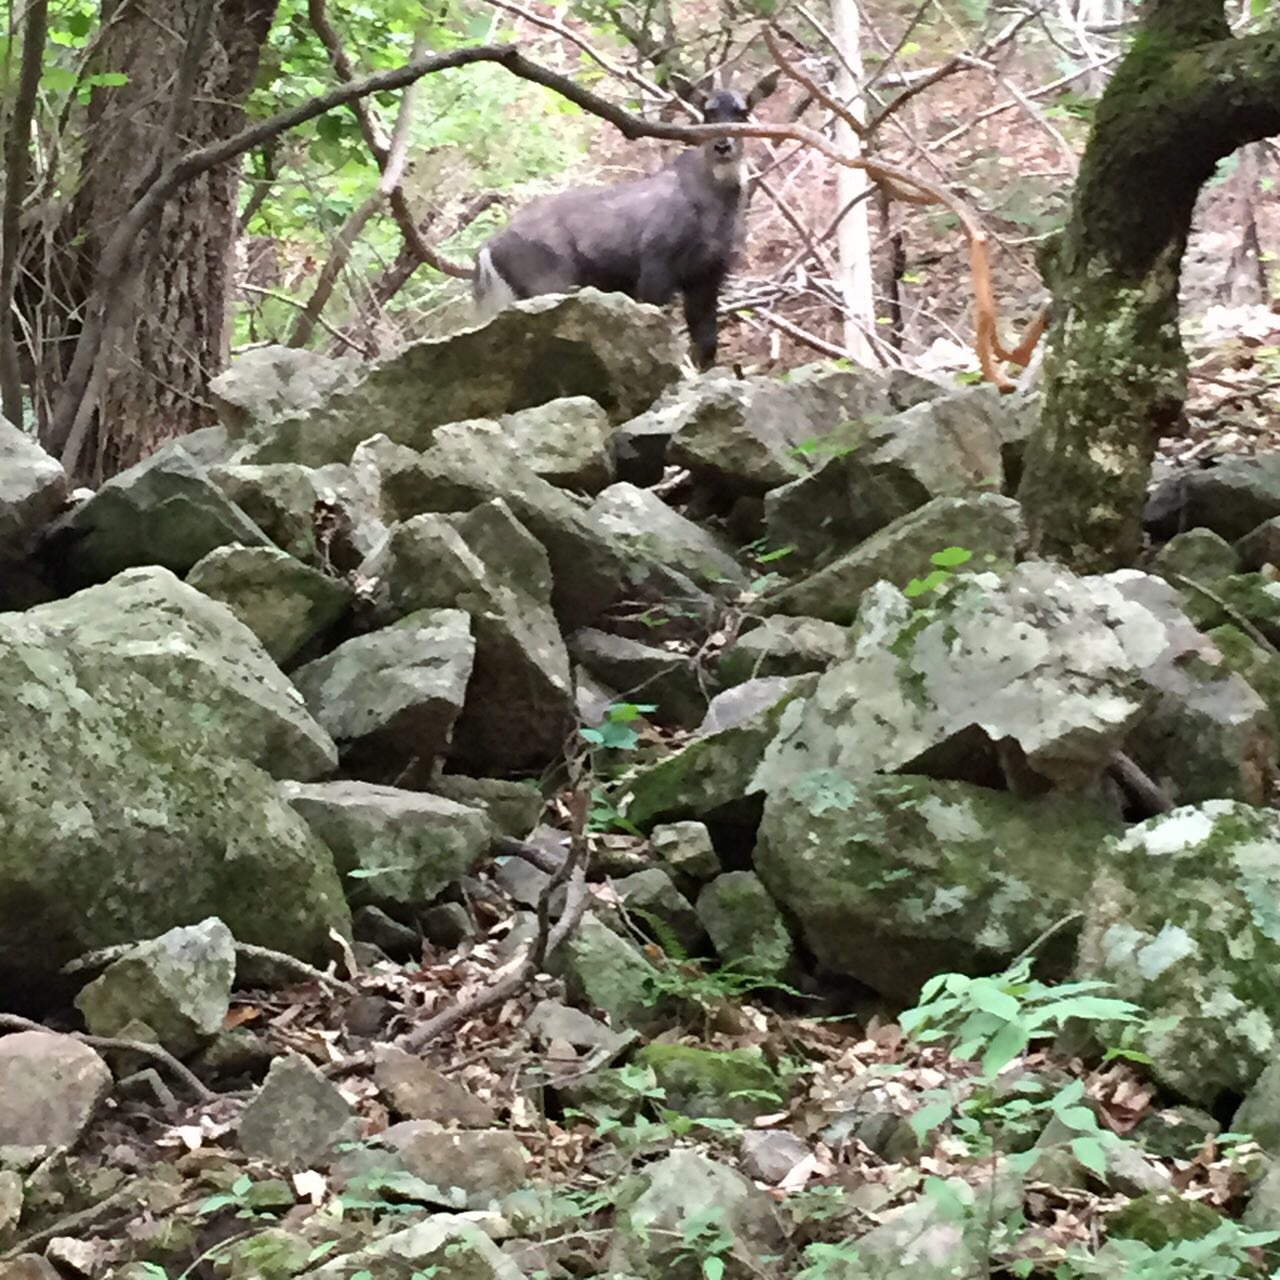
x=392 y=163
x=549 y=938
x=327 y=325
x=12 y=1022
x=251 y=951
x=1137 y=782
x=71 y=1223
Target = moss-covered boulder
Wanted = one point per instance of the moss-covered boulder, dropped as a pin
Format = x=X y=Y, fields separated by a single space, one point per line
x=745 y=925
x=141 y=719
x=1198 y=554
x=1182 y=919
x=728 y=1084
x=894 y=879
x=1160 y=1218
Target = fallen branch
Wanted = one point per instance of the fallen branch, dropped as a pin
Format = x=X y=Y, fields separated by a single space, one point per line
x=1139 y=785
x=251 y=951
x=72 y=1223
x=548 y=939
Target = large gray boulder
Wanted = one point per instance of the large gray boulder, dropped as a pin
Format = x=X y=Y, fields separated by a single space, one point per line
x=564 y=441
x=1182 y=920
x=398 y=850
x=519 y=707
x=894 y=879
x=619 y=353
x=987 y=525
x=268 y=385
x=1035 y=678
x=163 y=511
x=391 y=698
x=944 y=447
x=749 y=435
x=142 y=722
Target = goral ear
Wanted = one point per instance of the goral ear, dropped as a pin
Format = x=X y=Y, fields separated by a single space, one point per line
x=763 y=87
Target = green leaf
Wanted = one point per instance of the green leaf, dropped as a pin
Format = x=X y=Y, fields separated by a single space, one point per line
x=929 y=1117
x=988 y=996
x=713 y=1268
x=1005 y=1045
x=1080 y=1119
x=108 y=79
x=949 y=557
x=58 y=79
x=1090 y=1153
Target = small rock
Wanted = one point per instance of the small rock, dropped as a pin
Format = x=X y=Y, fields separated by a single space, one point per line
x=484 y=1164
x=417 y=1091
x=372 y=924
x=179 y=984
x=732 y=1084
x=1160 y=1218
x=448 y=924
x=652 y=896
x=80 y=1257
x=687 y=849
x=783 y=646
x=11 y=1200
x=297 y=1116
x=30 y=1266
x=746 y=927
x=514 y=807
x=551 y=1021
x=444 y=1246
x=51 y=1086
x=610 y=972
x=1198 y=554
x=770 y=1154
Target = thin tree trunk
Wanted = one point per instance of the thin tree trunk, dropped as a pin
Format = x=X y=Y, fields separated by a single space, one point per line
x=170 y=335
x=853 y=236
x=1115 y=371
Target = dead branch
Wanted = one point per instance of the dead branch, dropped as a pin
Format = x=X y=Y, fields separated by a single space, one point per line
x=17 y=163
x=548 y=939
x=72 y=1223
x=251 y=951
x=399 y=203
x=392 y=163
x=1139 y=785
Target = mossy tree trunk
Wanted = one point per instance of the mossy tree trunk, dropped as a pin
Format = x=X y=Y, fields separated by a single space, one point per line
x=1185 y=96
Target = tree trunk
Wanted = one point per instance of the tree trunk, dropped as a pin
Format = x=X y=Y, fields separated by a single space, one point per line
x=853 y=233
x=171 y=335
x=1185 y=96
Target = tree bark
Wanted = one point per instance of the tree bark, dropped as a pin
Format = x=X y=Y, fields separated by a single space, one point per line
x=169 y=333
x=1184 y=97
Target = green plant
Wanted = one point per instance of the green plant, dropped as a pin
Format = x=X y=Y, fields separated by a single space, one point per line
x=1229 y=1250
x=943 y=561
x=615 y=732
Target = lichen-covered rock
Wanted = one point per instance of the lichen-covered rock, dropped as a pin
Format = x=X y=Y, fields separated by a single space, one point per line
x=1161 y=1218
x=139 y=719
x=320 y=516
x=651 y=895
x=783 y=646
x=164 y=511
x=179 y=984
x=987 y=525
x=395 y=849
x=390 y=698
x=51 y=1087
x=682 y=1189
x=417 y=1091
x=894 y=879
x=730 y=1084
x=474 y=464
x=946 y=447
x=514 y=807
x=1198 y=554
x=33 y=487
x=749 y=435
x=1251 y=596
x=297 y=1117
x=610 y=973
x=1181 y=919
x=716 y=768
x=687 y=849
x=666 y=679
x=286 y=604
x=268 y=385
x=444 y=1247
x=601 y=345
x=565 y=441
x=519 y=707
x=640 y=521
x=1065 y=667
x=745 y=925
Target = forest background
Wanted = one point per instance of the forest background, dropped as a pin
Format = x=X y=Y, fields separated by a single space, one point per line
x=353 y=230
